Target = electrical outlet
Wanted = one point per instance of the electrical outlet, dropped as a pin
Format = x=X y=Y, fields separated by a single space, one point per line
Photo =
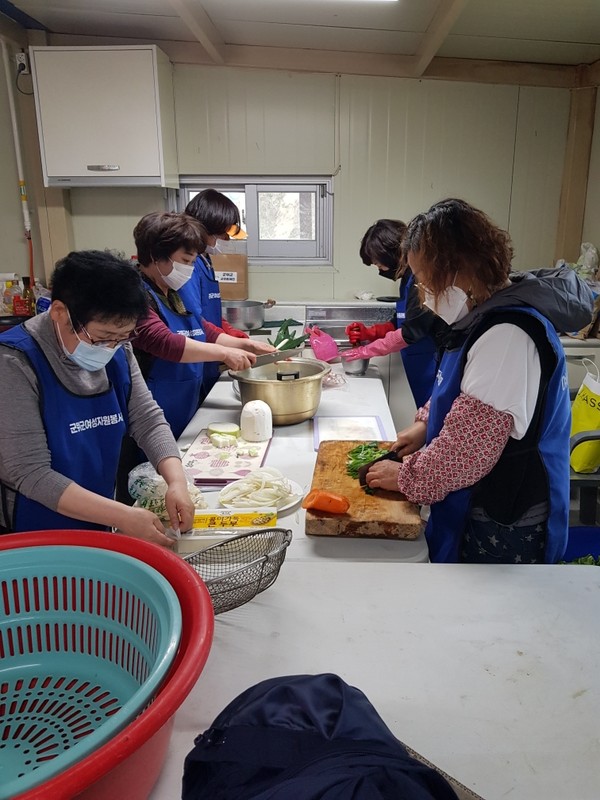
x=22 y=63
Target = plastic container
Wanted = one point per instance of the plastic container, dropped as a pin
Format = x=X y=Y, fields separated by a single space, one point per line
x=256 y=421
x=129 y=764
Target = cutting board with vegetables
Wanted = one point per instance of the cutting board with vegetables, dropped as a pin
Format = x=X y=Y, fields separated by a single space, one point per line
x=381 y=514
x=207 y=464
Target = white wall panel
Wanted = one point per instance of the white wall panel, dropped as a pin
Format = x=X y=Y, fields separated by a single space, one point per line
x=540 y=143
x=591 y=225
x=238 y=121
x=14 y=247
x=406 y=144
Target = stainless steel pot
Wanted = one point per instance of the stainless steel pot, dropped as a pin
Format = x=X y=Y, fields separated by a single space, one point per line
x=248 y=315
x=291 y=388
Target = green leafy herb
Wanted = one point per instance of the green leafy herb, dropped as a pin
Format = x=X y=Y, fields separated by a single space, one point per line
x=284 y=333
x=360 y=455
x=590 y=560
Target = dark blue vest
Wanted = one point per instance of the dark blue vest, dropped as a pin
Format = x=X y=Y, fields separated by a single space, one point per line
x=419 y=359
x=84 y=433
x=202 y=296
x=176 y=386
x=531 y=470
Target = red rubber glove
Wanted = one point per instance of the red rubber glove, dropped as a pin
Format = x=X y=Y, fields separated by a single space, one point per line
x=231 y=331
x=357 y=332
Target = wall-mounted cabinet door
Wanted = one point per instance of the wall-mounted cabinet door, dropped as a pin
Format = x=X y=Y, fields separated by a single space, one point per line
x=105 y=115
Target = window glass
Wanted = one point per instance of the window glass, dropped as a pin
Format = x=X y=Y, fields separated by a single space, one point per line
x=288 y=221
x=286 y=215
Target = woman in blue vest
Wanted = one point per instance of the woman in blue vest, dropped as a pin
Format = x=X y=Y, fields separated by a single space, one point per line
x=495 y=466
x=416 y=332
x=70 y=389
x=173 y=344
x=221 y=219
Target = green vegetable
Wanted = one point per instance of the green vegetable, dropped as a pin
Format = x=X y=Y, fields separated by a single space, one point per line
x=362 y=454
x=589 y=560
x=222 y=440
x=285 y=333
x=227 y=428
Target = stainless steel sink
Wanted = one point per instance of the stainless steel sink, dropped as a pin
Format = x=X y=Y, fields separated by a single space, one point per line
x=334 y=319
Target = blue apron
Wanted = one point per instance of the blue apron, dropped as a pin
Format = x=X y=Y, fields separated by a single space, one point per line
x=84 y=434
x=202 y=296
x=419 y=359
x=448 y=518
x=175 y=386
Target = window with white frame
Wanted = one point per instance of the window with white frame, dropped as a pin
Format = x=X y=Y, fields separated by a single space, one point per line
x=289 y=221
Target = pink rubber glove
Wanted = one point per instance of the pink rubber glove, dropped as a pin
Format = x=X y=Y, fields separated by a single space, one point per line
x=392 y=342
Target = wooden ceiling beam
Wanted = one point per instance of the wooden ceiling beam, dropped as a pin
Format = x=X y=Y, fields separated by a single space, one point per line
x=448 y=11
x=199 y=23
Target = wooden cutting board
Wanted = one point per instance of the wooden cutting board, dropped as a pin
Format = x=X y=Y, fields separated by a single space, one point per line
x=382 y=514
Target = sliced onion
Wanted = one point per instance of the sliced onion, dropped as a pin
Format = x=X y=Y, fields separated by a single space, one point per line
x=262 y=487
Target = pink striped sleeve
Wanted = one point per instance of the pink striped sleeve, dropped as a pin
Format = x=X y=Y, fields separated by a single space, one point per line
x=469 y=445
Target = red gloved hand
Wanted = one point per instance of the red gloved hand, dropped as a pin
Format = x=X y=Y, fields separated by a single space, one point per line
x=231 y=331
x=357 y=332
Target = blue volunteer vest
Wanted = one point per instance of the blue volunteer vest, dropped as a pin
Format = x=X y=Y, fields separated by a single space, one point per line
x=84 y=433
x=202 y=296
x=419 y=359
x=532 y=470
x=175 y=386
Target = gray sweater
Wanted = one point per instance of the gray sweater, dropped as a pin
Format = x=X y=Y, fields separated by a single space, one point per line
x=24 y=455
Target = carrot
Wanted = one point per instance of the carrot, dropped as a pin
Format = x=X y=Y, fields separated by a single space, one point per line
x=319 y=500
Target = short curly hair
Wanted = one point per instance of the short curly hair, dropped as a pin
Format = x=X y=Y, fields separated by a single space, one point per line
x=455 y=238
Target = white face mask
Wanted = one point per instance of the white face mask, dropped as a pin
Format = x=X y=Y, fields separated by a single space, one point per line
x=451 y=305
x=179 y=275
x=211 y=250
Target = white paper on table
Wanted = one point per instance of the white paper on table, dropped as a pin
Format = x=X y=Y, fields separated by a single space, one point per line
x=365 y=428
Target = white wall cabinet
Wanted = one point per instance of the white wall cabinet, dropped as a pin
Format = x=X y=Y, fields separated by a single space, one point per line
x=105 y=116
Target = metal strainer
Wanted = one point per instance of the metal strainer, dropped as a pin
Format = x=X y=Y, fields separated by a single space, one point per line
x=237 y=569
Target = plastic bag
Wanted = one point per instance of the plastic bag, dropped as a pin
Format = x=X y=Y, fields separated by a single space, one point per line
x=149 y=488
x=585 y=416
x=323 y=345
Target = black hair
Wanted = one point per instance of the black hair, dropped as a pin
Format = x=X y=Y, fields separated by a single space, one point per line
x=99 y=285
x=159 y=234
x=381 y=244
x=214 y=210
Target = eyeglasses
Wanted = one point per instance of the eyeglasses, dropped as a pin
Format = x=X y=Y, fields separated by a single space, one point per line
x=103 y=342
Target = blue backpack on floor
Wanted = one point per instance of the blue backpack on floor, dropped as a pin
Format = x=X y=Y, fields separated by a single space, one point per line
x=305 y=737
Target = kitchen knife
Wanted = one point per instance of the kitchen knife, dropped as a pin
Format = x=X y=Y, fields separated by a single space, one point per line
x=391 y=455
x=277 y=355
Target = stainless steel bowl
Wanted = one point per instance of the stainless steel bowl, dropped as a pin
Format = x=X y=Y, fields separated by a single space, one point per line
x=357 y=367
x=248 y=315
x=291 y=388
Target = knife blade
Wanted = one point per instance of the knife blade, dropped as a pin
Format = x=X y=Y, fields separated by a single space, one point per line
x=391 y=455
x=277 y=355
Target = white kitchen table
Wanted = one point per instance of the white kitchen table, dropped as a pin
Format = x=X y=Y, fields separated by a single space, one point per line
x=491 y=672
x=292 y=452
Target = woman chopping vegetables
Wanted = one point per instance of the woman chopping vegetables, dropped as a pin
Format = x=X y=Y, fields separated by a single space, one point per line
x=416 y=333
x=495 y=466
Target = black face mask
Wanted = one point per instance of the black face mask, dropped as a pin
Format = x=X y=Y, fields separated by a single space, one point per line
x=388 y=273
